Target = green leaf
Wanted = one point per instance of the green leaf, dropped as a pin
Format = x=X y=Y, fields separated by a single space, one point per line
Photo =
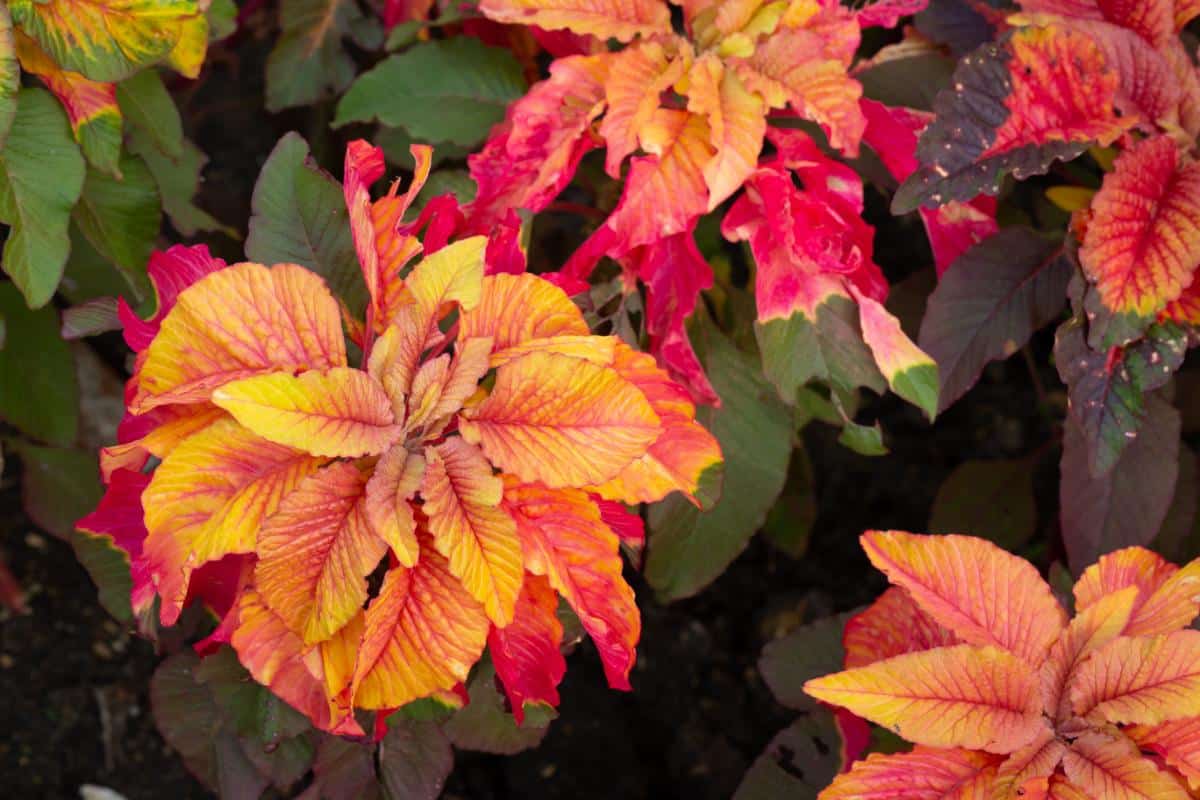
x=90 y=275
x=148 y=107
x=1179 y=537
x=299 y=216
x=446 y=90
x=688 y=548
x=177 y=180
x=222 y=19
x=989 y=302
x=790 y=522
x=41 y=176
x=108 y=566
x=866 y=440
x=484 y=725
x=396 y=141
x=58 y=486
x=827 y=346
x=809 y=651
x=989 y=499
x=39 y=393
x=121 y=218
x=10 y=75
x=415 y=758
x=912 y=82
x=800 y=761
x=1127 y=505
x=254 y=710
x=309 y=62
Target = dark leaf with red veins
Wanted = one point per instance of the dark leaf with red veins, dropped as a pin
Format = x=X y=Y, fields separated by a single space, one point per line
x=1017 y=106
x=1127 y=505
x=989 y=302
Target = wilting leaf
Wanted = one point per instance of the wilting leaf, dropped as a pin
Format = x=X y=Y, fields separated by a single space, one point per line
x=300 y=218
x=689 y=548
x=309 y=61
x=989 y=499
x=41 y=176
x=469 y=83
x=39 y=393
x=988 y=303
x=1126 y=505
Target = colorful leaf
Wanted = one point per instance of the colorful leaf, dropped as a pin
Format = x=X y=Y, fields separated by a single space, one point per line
x=41 y=178
x=980 y=698
x=736 y=121
x=1035 y=762
x=1042 y=95
x=209 y=498
x=617 y=19
x=105 y=40
x=516 y=309
x=1142 y=681
x=336 y=412
x=923 y=774
x=1177 y=742
x=91 y=106
x=683 y=453
x=1131 y=566
x=423 y=633
x=1143 y=236
x=10 y=75
x=532 y=156
x=470 y=528
x=212 y=335
x=989 y=305
x=170 y=272
x=1111 y=767
x=891 y=626
x=120 y=517
x=121 y=218
x=315 y=552
x=910 y=373
x=526 y=651
x=39 y=390
x=637 y=77
x=561 y=421
x=395 y=481
x=983 y=594
x=565 y=538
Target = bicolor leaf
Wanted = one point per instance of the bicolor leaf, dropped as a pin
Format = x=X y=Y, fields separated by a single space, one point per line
x=736 y=122
x=470 y=528
x=1036 y=762
x=339 y=412
x=212 y=335
x=637 y=77
x=561 y=421
x=315 y=552
x=980 y=698
x=517 y=309
x=565 y=538
x=1142 y=681
x=1112 y=767
x=891 y=626
x=526 y=652
x=910 y=373
x=170 y=272
x=983 y=594
x=923 y=774
x=390 y=489
x=209 y=498
x=1178 y=743
x=423 y=633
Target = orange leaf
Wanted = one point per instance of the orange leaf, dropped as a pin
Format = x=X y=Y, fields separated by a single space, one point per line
x=392 y=485
x=1173 y=606
x=737 y=122
x=637 y=77
x=980 y=698
x=1143 y=239
x=338 y=412
x=1090 y=630
x=441 y=386
x=423 y=633
x=564 y=538
x=596 y=349
x=1130 y=566
x=161 y=430
x=316 y=551
x=923 y=774
x=1112 y=768
x=470 y=528
x=526 y=651
x=215 y=333
x=1141 y=681
x=1062 y=789
x=1035 y=762
x=209 y=499
x=682 y=453
x=891 y=626
x=980 y=592
x=279 y=659
x=1178 y=743
x=561 y=421
x=516 y=309
x=604 y=19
